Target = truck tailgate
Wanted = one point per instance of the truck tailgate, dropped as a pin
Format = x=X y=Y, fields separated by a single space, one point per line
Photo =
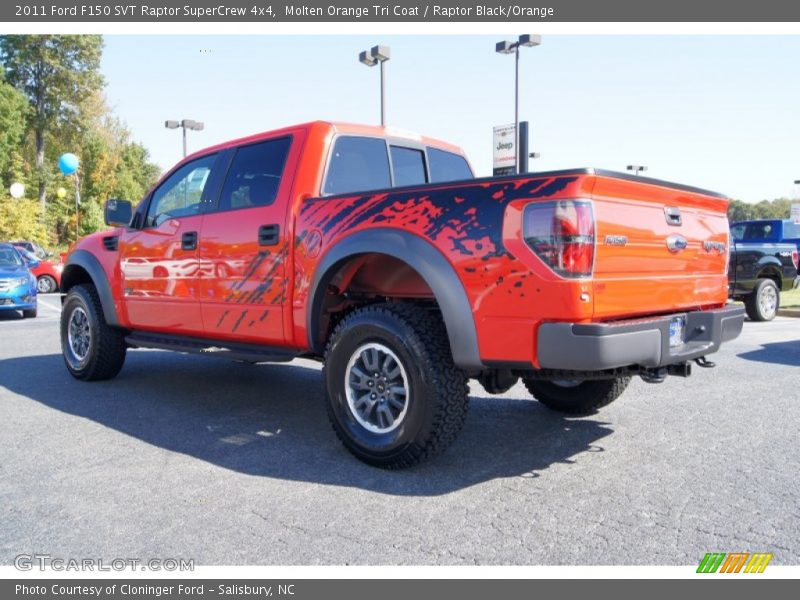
x=661 y=248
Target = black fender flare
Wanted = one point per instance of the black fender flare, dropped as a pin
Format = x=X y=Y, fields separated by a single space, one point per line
x=426 y=260
x=86 y=261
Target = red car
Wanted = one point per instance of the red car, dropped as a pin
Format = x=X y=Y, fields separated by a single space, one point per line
x=48 y=274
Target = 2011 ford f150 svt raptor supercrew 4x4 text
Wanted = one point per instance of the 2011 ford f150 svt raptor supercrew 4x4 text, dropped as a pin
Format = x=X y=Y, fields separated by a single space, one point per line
x=379 y=253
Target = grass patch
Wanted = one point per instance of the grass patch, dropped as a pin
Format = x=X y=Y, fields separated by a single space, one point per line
x=791 y=299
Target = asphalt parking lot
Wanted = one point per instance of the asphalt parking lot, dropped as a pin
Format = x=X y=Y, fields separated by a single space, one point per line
x=225 y=463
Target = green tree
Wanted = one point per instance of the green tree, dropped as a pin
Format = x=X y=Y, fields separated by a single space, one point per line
x=57 y=74
x=13 y=112
x=21 y=219
x=766 y=209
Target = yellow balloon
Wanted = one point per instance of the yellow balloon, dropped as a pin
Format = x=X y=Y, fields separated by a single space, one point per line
x=61 y=193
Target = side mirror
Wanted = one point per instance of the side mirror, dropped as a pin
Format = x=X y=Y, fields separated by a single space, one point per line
x=118 y=213
x=33 y=263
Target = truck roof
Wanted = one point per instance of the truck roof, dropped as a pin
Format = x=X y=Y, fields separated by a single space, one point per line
x=336 y=127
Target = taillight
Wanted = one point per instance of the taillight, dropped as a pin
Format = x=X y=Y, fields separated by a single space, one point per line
x=561 y=233
x=795 y=259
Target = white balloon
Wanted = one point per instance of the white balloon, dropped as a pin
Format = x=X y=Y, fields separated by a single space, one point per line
x=17 y=190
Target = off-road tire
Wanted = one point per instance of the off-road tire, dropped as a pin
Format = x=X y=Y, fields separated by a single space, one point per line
x=106 y=345
x=584 y=398
x=437 y=397
x=763 y=302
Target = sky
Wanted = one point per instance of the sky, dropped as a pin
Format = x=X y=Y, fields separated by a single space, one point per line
x=715 y=111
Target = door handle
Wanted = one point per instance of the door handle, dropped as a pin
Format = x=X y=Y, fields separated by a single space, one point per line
x=189 y=240
x=268 y=235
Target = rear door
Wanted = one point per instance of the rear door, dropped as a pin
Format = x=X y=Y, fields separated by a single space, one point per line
x=245 y=244
x=159 y=261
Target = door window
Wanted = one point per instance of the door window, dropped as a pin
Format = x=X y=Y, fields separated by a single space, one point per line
x=255 y=174
x=181 y=194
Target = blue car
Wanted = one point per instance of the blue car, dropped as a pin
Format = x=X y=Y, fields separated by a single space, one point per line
x=17 y=283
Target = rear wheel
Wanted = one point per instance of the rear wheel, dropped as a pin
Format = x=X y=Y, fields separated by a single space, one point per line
x=393 y=394
x=46 y=284
x=92 y=349
x=763 y=303
x=577 y=397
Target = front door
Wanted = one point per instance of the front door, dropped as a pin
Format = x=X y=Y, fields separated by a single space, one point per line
x=159 y=262
x=244 y=246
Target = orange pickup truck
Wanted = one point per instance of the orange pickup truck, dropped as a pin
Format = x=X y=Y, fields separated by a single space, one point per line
x=380 y=254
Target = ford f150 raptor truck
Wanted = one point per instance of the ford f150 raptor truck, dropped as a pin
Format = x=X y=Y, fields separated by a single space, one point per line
x=380 y=254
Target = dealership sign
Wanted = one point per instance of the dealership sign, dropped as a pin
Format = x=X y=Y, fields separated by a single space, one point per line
x=503 y=153
x=795 y=214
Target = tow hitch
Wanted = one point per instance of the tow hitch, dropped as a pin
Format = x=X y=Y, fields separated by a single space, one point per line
x=659 y=374
x=705 y=363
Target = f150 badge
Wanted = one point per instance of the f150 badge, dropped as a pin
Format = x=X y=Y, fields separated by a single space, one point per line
x=616 y=240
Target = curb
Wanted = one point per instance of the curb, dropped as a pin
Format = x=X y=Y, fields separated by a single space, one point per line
x=789 y=312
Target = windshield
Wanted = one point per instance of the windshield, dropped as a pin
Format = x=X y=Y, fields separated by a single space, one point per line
x=9 y=258
x=27 y=256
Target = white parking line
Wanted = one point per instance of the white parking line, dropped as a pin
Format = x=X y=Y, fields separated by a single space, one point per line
x=56 y=309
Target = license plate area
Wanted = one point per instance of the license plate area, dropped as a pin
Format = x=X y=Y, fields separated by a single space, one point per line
x=677 y=329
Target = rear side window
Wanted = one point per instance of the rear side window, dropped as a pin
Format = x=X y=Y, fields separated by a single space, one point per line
x=447 y=166
x=357 y=164
x=408 y=166
x=760 y=232
x=255 y=175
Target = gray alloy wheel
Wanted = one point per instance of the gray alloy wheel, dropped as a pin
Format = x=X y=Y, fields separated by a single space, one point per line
x=376 y=386
x=79 y=336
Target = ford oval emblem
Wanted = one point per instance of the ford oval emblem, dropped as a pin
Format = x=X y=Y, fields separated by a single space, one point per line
x=676 y=243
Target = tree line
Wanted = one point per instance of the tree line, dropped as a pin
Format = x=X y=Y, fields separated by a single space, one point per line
x=52 y=102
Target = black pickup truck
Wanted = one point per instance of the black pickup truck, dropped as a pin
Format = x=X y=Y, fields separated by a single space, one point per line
x=758 y=272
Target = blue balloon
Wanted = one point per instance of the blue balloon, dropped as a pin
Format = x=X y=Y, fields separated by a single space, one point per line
x=68 y=163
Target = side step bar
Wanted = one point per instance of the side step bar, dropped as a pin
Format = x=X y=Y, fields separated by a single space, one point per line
x=250 y=353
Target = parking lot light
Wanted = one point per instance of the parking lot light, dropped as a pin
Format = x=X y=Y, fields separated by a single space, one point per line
x=378 y=55
x=636 y=169
x=185 y=124
x=508 y=47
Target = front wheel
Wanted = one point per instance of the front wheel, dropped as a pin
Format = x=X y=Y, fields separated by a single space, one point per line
x=763 y=303
x=92 y=349
x=30 y=313
x=393 y=394
x=577 y=397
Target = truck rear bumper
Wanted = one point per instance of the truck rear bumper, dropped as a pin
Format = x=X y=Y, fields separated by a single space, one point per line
x=643 y=342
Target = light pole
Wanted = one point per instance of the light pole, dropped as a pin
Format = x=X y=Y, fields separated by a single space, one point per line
x=378 y=54
x=185 y=124
x=506 y=47
x=637 y=169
